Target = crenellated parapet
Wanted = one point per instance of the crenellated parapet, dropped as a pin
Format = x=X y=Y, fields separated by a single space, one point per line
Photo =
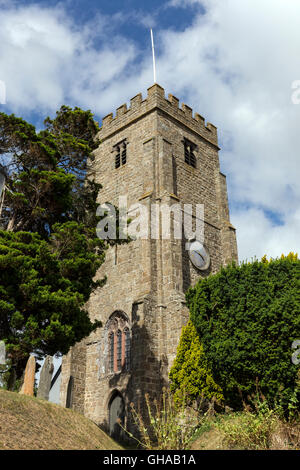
x=156 y=99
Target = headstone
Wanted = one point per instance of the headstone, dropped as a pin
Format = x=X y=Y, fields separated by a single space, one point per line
x=45 y=378
x=2 y=353
x=28 y=384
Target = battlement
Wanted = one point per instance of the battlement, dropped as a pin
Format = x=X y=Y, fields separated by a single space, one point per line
x=156 y=100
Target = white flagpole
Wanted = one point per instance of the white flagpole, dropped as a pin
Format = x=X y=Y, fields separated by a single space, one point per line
x=153 y=56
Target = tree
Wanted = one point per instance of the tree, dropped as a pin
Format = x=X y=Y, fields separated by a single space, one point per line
x=247 y=318
x=49 y=252
x=44 y=287
x=47 y=175
x=190 y=375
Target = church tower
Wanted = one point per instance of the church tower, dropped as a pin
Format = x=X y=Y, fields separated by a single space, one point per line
x=154 y=153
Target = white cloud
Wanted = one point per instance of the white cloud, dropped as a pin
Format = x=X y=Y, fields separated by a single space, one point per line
x=258 y=236
x=234 y=64
x=182 y=3
x=46 y=60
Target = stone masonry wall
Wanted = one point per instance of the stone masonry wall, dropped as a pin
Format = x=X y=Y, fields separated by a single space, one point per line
x=147 y=279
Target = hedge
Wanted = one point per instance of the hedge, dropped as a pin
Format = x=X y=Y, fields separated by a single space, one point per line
x=247 y=318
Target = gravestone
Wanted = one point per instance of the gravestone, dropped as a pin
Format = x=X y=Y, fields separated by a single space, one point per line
x=45 y=378
x=2 y=353
x=28 y=384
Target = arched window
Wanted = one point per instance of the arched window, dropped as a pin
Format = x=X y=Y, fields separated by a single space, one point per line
x=127 y=348
x=119 y=350
x=111 y=351
x=117 y=356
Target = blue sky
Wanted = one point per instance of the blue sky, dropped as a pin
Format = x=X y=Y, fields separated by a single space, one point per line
x=129 y=19
x=232 y=61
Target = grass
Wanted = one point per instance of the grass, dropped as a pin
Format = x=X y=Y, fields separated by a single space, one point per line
x=247 y=431
x=30 y=423
x=168 y=426
x=34 y=424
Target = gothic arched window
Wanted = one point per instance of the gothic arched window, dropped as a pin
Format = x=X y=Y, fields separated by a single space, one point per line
x=111 y=342
x=119 y=350
x=127 y=348
x=117 y=357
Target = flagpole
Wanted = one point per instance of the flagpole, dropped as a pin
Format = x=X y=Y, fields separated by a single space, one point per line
x=153 y=56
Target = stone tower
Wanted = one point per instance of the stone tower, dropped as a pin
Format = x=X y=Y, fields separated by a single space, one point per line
x=154 y=152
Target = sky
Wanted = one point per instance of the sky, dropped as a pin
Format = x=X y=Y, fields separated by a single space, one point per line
x=232 y=61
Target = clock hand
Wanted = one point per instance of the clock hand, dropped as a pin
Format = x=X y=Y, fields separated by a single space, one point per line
x=198 y=252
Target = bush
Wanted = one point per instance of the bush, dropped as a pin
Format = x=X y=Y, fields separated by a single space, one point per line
x=247 y=318
x=190 y=375
x=250 y=431
x=165 y=426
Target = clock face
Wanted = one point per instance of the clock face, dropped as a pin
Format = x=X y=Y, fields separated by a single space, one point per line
x=199 y=256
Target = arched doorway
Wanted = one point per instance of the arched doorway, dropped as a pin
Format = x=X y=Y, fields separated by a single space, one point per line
x=116 y=409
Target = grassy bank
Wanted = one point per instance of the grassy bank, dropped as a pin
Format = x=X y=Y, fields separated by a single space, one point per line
x=247 y=431
x=30 y=423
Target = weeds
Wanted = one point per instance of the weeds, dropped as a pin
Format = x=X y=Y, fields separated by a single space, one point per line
x=262 y=428
x=248 y=430
x=165 y=426
x=169 y=426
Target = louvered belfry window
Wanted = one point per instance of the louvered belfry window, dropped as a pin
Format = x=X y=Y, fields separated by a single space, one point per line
x=120 y=154
x=189 y=153
x=118 y=158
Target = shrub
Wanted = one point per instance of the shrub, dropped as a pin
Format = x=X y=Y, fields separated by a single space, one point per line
x=166 y=425
x=247 y=318
x=190 y=375
x=250 y=431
